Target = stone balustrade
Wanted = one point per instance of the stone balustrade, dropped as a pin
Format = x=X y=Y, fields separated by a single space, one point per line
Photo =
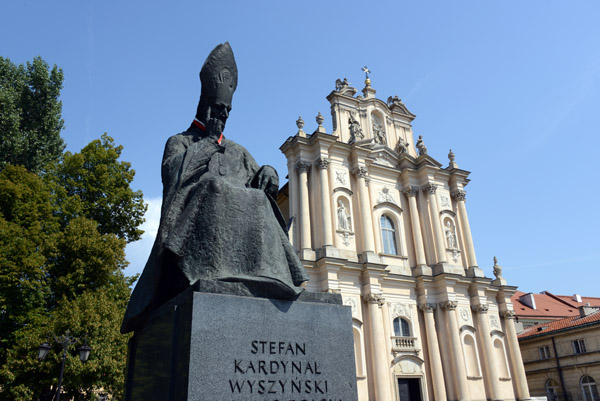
x=403 y=344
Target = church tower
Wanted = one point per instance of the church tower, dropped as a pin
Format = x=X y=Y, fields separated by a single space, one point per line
x=376 y=218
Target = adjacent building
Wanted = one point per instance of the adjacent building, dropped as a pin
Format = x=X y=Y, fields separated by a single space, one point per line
x=533 y=309
x=562 y=357
x=375 y=218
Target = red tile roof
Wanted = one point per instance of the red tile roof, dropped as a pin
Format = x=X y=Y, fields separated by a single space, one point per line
x=562 y=324
x=550 y=306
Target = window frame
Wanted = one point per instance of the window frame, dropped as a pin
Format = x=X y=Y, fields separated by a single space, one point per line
x=590 y=385
x=393 y=232
x=544 y=352
x=579 y=346
x=403 y=326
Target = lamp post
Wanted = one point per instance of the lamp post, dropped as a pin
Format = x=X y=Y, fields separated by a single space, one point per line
x=66 y=340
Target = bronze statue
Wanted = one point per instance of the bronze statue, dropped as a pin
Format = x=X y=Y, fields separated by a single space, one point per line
x=219 y=220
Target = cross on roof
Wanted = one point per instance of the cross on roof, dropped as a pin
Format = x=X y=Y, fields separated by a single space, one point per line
x=366 y=71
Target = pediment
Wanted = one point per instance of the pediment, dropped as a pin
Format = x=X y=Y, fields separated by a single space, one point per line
x=384 y=156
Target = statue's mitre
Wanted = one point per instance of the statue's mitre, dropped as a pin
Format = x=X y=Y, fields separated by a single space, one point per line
x=219 y=74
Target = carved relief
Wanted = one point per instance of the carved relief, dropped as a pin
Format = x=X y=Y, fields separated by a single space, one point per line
x=385 y=196
x=480 y=308
x=430 y=188
x=341 y=177
x=494 y=321
x=400 y=310
x=445 y=201
x=351 y=302
x=382 y=159
x=464 y=313
x=388 y=120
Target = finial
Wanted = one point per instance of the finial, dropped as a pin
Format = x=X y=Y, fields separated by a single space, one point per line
x=367 y=72
x=451 y=157
x=300 y=124
x=320 y=119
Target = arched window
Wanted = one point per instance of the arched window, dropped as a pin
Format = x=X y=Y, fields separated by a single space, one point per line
x=589 y=389
x=552 y=390
x=388 y=236
x=401 y=327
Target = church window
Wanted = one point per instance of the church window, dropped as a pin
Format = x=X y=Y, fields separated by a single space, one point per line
x=401 y=327
x=589 y=389
x=388 y=236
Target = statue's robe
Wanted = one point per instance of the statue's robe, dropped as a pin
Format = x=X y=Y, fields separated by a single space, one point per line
x=214 y=225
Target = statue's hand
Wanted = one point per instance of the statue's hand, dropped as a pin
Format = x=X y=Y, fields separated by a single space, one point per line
x=215 y=127
x=267 y=179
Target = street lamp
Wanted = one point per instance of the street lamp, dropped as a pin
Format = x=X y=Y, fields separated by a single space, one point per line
x=66 y=340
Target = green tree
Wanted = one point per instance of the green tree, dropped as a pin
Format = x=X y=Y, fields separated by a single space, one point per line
x=95 y=184
x=30 y=114
x=61 y=269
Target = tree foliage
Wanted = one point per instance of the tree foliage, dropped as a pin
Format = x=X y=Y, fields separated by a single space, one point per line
x=95 y=184
x=30 y=114
x=57 y=277
x=64 y=223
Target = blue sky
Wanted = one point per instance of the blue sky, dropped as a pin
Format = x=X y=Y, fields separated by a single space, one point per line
x=512 y=87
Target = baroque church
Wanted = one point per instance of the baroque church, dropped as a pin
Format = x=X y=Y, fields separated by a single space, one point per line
x=375 y=218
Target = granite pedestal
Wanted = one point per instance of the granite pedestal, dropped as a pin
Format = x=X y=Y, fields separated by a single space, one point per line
x=215 y=347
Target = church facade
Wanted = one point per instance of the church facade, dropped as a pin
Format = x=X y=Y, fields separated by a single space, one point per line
x=376 y=219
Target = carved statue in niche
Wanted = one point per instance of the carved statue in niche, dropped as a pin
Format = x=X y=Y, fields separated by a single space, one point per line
x=421 y=146
x=402 y=146
x=450 y=235
x=356 y=133
x=339 y=84
x=378 y=132
x=343 y=218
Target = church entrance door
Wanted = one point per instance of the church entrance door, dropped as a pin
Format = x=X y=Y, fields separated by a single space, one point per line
x=409 y=389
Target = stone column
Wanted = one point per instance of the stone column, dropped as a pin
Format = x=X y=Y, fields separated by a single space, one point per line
x=437 y=371
x=440 y=244
x=459 y=197
x=460 y=371
x=302 y=168
x=380 y=361
x=323 y=164
x=518 y=371
x=365 y=209
x=488 y=356
x=411 y=193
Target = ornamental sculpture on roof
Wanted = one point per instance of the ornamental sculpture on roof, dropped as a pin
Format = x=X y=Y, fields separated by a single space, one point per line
x=219 y=219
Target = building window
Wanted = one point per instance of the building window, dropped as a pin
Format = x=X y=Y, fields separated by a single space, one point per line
x=589 y=389
x=544 y=352
x=552 y=390
x=579 y=346
x=401 y=327
x=388 y=236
